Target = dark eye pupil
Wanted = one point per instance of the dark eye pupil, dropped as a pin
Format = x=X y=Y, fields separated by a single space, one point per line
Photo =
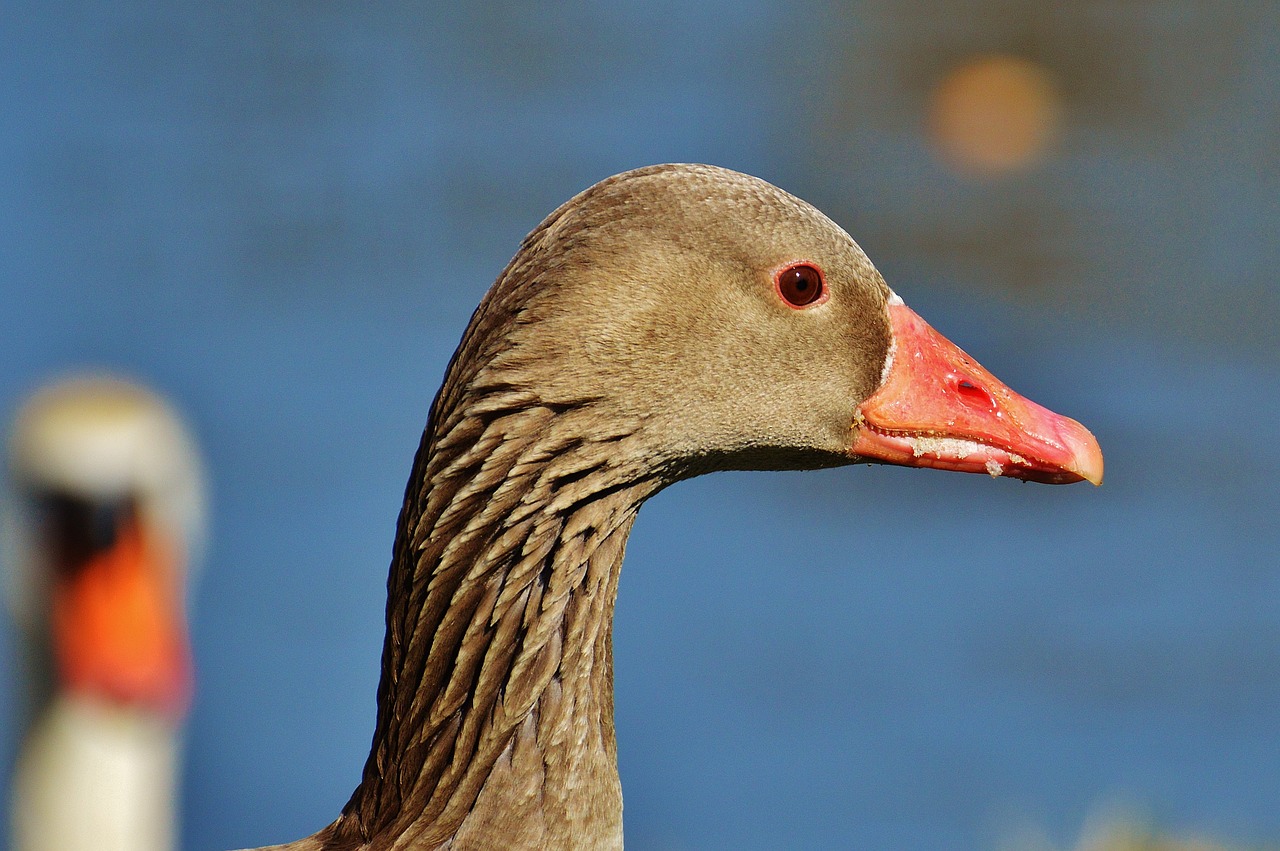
x=800 y=285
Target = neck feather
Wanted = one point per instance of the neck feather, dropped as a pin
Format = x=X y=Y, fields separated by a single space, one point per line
x=496 y=698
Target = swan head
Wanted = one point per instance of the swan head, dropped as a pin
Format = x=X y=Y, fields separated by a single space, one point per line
x=104 y=516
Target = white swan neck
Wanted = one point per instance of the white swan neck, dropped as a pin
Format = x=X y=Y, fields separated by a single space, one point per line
x=95 y=776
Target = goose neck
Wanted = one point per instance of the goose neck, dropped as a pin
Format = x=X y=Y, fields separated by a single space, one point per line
x=496 y=700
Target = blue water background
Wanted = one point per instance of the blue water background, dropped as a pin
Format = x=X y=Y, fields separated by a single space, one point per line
x=281 y=215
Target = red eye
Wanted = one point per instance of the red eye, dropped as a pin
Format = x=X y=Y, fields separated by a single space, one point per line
x=800 y=285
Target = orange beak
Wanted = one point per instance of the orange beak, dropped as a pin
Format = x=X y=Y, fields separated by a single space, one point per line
x=937 y=407
x=118 y=623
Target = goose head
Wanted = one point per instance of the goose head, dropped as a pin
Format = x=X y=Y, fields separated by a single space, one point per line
x=736 y=326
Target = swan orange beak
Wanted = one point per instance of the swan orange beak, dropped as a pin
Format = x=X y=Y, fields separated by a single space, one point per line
x=119 y=627
x=937 y=407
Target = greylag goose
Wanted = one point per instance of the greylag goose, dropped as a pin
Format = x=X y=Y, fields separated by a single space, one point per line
x=105 y=502
x=666 y=322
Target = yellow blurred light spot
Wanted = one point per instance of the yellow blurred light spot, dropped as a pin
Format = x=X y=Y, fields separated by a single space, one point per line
x=994 y=114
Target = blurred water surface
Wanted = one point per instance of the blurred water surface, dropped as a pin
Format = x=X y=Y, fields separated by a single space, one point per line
x=282 y=215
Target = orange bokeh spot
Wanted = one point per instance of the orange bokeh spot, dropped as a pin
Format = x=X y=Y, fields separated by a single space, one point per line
x=994 y=114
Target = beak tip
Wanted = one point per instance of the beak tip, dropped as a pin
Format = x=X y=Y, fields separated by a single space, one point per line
x=1087 y=463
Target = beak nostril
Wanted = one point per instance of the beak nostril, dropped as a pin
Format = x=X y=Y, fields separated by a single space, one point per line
x=972 y=392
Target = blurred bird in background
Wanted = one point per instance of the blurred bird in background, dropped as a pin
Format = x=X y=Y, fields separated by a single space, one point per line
x=104 y=511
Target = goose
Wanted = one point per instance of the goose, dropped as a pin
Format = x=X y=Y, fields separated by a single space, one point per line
x=105 y=507
x=666 y=322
